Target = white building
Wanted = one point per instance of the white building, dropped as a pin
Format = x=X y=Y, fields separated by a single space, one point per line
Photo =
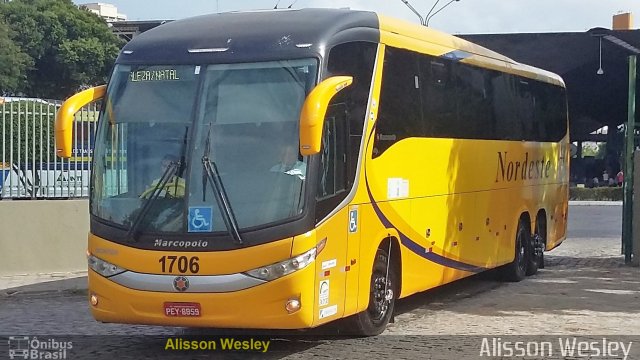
x=107 y=11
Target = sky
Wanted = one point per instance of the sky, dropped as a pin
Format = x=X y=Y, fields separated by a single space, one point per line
x=460 y=17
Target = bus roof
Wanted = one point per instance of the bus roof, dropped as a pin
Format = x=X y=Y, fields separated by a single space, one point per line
x=250 y=36
x=281 y=34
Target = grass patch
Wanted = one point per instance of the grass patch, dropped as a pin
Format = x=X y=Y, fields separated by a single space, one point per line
x=596 y=194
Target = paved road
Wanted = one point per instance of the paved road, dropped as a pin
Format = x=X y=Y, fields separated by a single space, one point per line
x=584 y=290
x=595 y=222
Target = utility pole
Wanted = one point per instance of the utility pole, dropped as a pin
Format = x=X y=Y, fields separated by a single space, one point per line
x=627 y=207
x=630 y=136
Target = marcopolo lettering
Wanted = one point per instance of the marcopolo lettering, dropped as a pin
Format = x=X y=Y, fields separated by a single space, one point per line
x=181 y=243
x=522 y=169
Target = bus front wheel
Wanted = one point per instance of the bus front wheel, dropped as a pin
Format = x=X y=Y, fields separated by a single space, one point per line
x=382 y=297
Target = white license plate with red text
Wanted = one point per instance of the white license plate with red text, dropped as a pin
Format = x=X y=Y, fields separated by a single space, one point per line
x=182 y=309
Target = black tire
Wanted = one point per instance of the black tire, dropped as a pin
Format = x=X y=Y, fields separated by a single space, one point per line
x=540 y=241
x=533 y=261
x=541 y=261
x=378 y=314
x=517 y=269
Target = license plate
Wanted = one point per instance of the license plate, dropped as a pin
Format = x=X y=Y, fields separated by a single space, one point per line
x=182 y=309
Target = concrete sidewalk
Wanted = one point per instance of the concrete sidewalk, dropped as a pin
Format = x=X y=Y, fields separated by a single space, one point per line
x=595 y=203
x=36 y=283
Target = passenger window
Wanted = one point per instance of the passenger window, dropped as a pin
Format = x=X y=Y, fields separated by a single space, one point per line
x=442 y=98
x=475 y=119
x=400 y=114
x=508 y=124
x=439 y=98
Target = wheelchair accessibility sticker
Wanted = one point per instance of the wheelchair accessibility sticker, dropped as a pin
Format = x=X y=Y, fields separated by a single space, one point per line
x=200 y=219
x=353 y=220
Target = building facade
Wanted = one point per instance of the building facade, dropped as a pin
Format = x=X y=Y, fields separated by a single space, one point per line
x=108 y=12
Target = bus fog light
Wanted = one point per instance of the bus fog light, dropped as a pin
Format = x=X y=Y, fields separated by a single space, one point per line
x=292 y=306
x=94 y=300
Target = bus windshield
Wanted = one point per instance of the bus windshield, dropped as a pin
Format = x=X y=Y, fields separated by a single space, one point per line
x=201 y=148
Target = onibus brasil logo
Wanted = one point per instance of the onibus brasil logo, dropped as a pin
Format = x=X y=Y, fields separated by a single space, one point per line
x=25 y=347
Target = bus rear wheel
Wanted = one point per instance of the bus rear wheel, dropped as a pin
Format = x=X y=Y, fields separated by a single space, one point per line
x=382 y=297
x=540 y=241
x=537 y=241
x=517 y=269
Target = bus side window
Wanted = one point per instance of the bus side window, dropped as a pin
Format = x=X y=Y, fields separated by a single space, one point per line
x=400 y=114
x=550 y=112
x=508 y=124
x=439 y=98
x=344 y=123
x=332 y=179
x=354 y=59
x=556 y=114
x=473 y=97
x=526 y=107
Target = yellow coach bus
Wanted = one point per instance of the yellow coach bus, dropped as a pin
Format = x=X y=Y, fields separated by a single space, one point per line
x=285 y=169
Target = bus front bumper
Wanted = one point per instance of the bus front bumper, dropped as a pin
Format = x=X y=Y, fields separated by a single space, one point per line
x=258 y=307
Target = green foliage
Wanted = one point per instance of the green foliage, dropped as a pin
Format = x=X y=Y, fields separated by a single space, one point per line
x=70 y=47
x=596 y=194
x=28 y=131
x=14 y=62
x=598 y=151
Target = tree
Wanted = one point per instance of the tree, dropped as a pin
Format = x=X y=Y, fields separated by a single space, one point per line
x=596 y=150
x=70 y=47
x=15 y=63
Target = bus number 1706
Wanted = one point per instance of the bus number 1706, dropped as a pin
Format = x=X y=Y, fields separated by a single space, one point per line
x=184 y=264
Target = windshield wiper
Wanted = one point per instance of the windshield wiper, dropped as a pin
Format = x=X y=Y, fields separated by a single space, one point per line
x=173 y=169
x=155 y=193
x=221 y=196
x=211 y=173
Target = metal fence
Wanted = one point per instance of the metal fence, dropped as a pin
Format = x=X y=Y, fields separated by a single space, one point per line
x=29 y=167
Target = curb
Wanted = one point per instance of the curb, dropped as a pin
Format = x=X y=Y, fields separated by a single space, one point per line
x=595 y=203
x=73 y=285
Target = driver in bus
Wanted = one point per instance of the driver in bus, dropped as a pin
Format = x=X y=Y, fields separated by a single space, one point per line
x=289 y=163
x=175 y=186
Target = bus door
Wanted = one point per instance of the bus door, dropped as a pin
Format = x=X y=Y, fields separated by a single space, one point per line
x=335 y=283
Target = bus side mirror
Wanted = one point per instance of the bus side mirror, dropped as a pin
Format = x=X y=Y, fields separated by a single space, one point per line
x=314 y=110
x=65 y=117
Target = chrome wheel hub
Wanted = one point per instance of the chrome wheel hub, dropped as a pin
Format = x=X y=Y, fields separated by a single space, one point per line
x=381 y=297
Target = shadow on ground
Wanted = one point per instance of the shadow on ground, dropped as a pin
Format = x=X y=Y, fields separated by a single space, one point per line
x=566 y=285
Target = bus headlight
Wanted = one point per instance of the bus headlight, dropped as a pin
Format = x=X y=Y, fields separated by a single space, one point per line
x=102 y=267
x=283 y=268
